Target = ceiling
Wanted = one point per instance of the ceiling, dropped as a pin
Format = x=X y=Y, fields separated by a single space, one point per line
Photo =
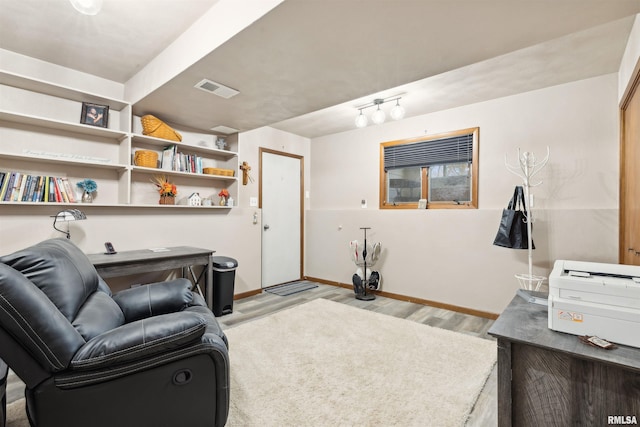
x=306 y=65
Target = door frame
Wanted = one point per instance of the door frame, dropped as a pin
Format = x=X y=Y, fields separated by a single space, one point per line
x=632 y=89
x=301 y=159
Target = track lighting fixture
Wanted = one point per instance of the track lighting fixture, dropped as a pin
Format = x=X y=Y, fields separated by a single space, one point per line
x=361 y=120
x=397 y=112
x=379 y=116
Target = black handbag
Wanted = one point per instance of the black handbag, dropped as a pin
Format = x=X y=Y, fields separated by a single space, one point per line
x=512 y=232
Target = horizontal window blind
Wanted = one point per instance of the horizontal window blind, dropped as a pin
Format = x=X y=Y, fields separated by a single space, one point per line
x=426 y=153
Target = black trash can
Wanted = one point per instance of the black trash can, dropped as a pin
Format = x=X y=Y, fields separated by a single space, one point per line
x=224 y=275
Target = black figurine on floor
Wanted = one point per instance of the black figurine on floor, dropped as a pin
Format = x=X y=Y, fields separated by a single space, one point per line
x=365 y=256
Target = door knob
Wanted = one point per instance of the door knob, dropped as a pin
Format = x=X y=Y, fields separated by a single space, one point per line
x=266 y=227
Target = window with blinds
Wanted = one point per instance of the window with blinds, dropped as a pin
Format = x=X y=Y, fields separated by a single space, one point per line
x=441 y=171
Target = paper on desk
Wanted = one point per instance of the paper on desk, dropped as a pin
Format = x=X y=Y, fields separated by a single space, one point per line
x=159 y=250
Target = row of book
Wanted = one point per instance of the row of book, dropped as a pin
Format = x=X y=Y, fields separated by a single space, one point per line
x=20 y=187
x=174 y=160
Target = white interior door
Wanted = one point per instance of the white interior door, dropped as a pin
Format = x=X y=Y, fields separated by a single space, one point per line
x=281 y=203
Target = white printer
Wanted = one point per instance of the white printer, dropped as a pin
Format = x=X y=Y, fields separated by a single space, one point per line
x=588 y=298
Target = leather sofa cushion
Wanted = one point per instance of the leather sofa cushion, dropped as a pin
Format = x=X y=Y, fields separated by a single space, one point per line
x=60 y=269
x=99 y=314
x=139 y=340
x=154 y=299
x=28 y=315
x=213 y=327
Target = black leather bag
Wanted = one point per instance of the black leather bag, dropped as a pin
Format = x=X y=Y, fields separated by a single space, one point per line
x=512 y=232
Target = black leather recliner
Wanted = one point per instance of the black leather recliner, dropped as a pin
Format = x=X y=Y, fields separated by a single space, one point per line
x=3 y=390
x=153 y=355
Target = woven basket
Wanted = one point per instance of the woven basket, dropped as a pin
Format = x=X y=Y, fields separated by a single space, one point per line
x=146 y=158
x=219 y=171
x=153 y=126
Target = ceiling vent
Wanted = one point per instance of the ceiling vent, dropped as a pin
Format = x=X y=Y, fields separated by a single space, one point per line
x=224 y=129
x=216 y=88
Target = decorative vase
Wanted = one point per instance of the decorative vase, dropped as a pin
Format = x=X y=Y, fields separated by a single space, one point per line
x=87 y=197
x=167 y=200
x=223 y=201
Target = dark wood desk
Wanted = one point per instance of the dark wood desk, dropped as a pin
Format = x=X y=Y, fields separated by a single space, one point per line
x=549 y=378
x=146 y=260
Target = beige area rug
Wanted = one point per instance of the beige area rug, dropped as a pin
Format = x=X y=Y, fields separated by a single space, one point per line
x=325 y=363
x=16 y=416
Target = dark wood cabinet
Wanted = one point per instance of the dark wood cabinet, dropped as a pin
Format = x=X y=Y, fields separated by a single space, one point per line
x=549 y=378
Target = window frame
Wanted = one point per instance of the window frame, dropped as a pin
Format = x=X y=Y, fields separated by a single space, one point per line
x=473 y=204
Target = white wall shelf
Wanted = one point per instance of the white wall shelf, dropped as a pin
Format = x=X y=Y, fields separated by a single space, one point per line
x=42 y=122
x=203 y=149
x=156 y=171
x=41 y=135
x=59 y=91
x=63 y=161
x=65 y=205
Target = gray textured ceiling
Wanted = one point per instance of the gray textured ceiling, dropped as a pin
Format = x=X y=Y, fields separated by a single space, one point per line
x=306 y=65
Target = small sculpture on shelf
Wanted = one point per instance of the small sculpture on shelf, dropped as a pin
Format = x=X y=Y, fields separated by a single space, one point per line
x=224 y=195
x=194 y=200
x=89 y=187
x=167 y=190
x=221 y=144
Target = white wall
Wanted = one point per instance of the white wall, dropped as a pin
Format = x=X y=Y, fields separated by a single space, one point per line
x=267 y=137
x=48 y=72
x=250 y=143
x=228 y=233
x=447 y=255
x=630 y=60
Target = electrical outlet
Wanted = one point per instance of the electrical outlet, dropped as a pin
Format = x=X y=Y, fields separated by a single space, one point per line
x=253 y=201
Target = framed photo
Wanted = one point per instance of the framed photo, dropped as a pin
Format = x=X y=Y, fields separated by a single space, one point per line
x=94 y=115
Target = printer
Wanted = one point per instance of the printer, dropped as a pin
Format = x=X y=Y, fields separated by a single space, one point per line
x=588 y=298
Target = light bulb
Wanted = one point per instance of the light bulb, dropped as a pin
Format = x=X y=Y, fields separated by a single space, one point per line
x=361 y=120
x=87 y=7
x=397 y=112
x=378 y=117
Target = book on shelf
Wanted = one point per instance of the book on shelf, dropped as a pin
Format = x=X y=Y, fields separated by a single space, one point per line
x=167 y=157
x=37 y=197
x=174 y=160
x=68 y=190
x=25 y=188
x=61 y=190
x=53 y=194
x=8 y=187
x=18 y=194
x=21 y=187
x=4 y=180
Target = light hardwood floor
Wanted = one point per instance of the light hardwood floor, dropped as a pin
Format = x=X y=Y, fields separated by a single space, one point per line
x=244 y=310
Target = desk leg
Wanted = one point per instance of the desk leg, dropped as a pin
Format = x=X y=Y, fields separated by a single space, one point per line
x=209 y=283
x=505 y=393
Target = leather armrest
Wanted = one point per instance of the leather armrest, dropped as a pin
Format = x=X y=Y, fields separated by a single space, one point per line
x=140 y=339
x=154 y=299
